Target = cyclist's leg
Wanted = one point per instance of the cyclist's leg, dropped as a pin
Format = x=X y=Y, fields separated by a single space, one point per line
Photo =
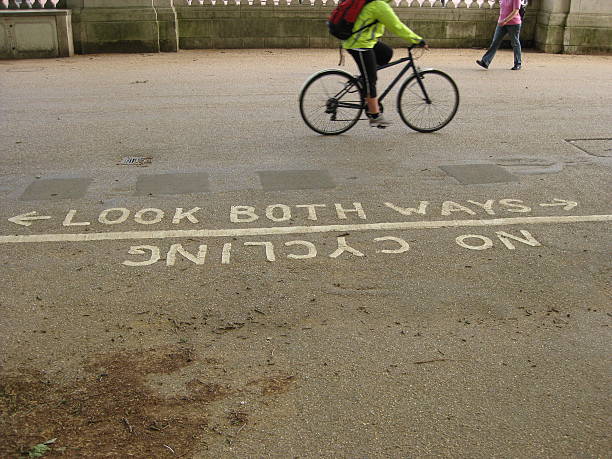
x=365 y=59
x=383 y=53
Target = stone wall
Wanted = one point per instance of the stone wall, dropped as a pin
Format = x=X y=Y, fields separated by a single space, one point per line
x=571 y=26
x=303 y=25
x=589 y=27
x=103 y=26
x=574 y=26
x=36 y=33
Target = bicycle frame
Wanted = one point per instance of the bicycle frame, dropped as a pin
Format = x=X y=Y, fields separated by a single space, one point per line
x=332 y=101
x=410 y=65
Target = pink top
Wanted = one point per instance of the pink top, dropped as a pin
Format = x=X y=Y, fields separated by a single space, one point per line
x=506 y=7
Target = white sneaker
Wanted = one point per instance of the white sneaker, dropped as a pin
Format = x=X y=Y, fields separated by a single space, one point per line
x=379 y=122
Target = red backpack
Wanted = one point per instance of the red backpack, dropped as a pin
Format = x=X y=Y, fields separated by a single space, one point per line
x=343 y=17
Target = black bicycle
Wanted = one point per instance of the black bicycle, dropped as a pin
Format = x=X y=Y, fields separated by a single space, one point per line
x=332 y=101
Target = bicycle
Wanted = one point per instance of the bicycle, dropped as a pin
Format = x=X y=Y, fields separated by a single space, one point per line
x=332 y=101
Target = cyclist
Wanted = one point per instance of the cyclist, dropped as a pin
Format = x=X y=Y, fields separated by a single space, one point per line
x=369 y=52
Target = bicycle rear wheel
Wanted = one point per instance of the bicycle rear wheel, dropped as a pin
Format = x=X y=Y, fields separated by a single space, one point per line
x=331 y=102
x=428 y=106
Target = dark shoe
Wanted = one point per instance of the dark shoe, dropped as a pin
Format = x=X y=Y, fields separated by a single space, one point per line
x=482 y=64
x=516 y=67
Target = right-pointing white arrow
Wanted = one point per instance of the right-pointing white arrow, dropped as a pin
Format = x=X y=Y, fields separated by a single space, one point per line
x=25 y=219
x=567 y=205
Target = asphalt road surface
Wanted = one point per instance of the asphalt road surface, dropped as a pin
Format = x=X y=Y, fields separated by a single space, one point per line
x=244 y=287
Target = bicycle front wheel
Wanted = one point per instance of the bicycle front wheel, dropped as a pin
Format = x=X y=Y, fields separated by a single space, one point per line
x=428 y=101
x=331 y=102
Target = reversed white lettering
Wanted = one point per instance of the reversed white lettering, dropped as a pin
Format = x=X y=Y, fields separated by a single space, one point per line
x=312 y=250
x=403 y=245
x=344 y=247
x=140 y=250
x=225 y=254
x=269 y=249
x=178 y=249
x=526 y=239
x=486 y=242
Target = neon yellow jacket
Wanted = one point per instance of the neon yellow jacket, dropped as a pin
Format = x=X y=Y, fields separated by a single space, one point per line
x=381 y=11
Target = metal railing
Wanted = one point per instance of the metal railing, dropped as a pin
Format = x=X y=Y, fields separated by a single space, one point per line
x=32 y=4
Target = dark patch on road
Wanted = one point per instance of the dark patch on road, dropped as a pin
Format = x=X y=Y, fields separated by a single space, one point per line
x=56 y=189
x=295 y=180
x=179 y=183
x=113 y=410
x=472 y=174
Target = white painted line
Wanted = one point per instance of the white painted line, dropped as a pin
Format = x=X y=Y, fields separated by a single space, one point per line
x=233 y=232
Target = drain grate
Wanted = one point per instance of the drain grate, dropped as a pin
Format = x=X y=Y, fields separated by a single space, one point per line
x=136 y=161
x=593 y=147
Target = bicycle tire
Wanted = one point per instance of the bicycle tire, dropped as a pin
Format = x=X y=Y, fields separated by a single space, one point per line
x=419 y=114
x=322 y=100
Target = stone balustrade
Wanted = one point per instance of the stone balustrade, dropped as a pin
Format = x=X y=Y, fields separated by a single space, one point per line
x=35 y=32
x=32 y=4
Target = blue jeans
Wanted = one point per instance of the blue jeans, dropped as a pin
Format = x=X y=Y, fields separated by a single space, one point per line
x=500 y=31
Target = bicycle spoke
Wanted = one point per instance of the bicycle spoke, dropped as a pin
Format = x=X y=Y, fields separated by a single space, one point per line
x=330 y=103
x=443 y=97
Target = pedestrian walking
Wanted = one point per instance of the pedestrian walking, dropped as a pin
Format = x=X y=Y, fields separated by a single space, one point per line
x=509 y=22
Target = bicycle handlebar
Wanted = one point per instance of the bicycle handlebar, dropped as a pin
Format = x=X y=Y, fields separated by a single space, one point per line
x=420 y=44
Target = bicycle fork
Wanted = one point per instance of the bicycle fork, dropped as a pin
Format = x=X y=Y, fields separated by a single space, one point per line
x=419 y=78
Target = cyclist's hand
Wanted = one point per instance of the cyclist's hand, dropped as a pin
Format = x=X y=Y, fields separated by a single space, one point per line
x=423 y=44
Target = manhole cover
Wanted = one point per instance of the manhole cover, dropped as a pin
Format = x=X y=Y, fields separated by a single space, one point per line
x=594 y=147
x=135 y=161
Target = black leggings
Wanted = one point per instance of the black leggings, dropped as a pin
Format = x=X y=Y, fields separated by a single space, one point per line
x=367 y=60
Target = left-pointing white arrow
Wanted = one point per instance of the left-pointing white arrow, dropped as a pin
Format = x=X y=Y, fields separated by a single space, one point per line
x=25 y=219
